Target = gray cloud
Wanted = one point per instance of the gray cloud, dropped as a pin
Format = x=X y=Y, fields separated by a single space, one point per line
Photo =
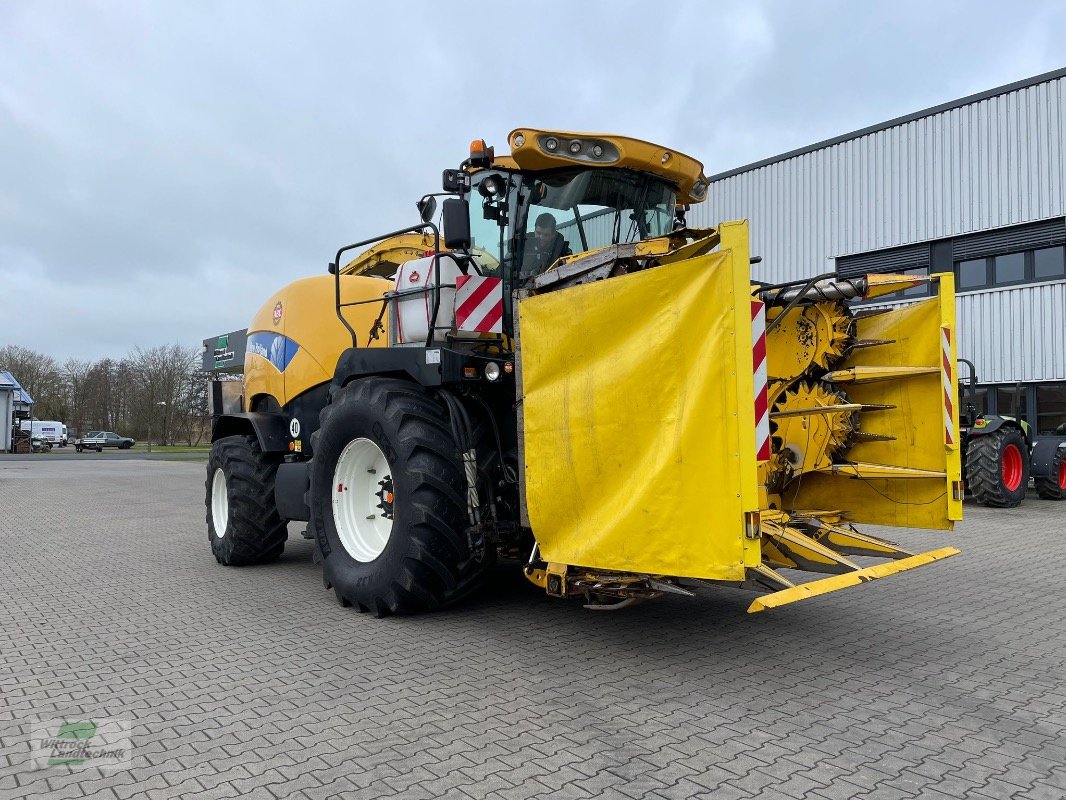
x=165 y=166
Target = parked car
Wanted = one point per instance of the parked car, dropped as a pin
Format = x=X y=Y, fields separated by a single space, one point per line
x=98 y=440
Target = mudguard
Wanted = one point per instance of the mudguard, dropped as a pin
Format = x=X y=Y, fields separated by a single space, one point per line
x=986 y=425
x=270 y=428
x=1043 y=457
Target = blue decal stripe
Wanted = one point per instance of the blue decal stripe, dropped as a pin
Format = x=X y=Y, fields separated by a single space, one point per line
x=277 y=349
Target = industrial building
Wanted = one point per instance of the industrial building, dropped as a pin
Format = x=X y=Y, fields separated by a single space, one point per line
x=15 y=404
x=976 y=186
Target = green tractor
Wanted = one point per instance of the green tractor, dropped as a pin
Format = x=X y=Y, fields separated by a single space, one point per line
x=1000 y=455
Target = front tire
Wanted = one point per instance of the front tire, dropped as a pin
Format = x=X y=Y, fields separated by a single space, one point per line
x=243 y=524
x=997 y=468
x=387 y=501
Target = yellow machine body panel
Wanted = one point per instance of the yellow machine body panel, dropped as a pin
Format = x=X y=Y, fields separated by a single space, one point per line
x=639 y=448
x=295 y=339
x=912 y=374
x=385 y=257
x=531 y=151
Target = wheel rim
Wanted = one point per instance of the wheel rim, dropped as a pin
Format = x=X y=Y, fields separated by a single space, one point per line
x=363 y=500
x=219 y=503
x=1011 y=467
x=1062 y=475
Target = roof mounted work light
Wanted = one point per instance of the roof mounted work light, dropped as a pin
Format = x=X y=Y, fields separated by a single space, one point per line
x=481 y=154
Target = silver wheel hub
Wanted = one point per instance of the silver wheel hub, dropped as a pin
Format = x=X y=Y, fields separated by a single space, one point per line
x=219 y=503
x=362 y=500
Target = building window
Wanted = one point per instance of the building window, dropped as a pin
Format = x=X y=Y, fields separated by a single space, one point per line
x=972 y=274
x=1049 y=263
x=1008 y=268
x=1010 y=402
x=1050 y=407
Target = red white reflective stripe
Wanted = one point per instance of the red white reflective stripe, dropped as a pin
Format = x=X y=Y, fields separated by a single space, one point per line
x=478 y=304
x=946 y=373
x=758 y=359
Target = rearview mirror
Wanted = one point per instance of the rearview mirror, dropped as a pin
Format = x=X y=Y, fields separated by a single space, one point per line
x=427 y=207
x=456 y=224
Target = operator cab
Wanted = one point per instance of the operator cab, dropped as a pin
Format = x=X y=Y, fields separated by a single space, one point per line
x=527 y=222
x=562 y=194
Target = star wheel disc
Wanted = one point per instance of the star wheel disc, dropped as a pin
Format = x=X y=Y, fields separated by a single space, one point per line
x=810 y=441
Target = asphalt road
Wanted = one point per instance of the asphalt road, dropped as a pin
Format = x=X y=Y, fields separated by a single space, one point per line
x=944 y=682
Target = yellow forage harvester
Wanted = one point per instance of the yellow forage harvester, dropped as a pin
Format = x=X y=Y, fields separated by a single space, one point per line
x=567 y=377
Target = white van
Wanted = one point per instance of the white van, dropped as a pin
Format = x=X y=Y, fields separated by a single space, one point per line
x=53 y=431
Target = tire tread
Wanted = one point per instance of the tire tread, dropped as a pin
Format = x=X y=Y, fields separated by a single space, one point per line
x=256 y=534
x=437 y=568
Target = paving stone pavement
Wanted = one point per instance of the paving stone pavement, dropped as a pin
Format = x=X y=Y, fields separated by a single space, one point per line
x=944 y=682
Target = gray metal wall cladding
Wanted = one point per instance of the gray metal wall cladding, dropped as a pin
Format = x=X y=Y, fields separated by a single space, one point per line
x=995 y=162
x=1014 y=334
x=998 y=161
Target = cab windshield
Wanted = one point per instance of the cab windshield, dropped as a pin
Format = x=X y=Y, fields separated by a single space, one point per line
x=527 y=222
x=574 y=210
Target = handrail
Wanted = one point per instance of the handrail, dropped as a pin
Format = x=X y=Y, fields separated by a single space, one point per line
x=335 y=268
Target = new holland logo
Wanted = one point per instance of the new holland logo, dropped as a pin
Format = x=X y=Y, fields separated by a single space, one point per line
x=277 y=312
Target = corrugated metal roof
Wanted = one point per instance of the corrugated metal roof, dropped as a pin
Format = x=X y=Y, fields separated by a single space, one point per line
x=21 y=396
x=996 y=162
x=928 y=112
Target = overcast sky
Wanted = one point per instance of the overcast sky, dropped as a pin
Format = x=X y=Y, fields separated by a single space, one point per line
x=166 y=166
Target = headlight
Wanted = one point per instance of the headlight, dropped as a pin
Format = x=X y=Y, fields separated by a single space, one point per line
x=594 y=151
x=492 y=371
x=490 y=187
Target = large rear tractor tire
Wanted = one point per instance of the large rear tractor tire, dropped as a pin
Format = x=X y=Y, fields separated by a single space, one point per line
x=243 y=525
x=1053 y=486
x=387 y=501
x=997 y=468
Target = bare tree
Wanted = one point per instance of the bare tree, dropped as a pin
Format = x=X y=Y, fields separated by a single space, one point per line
x=75 y=375
x=156 y=392
x=192 y=415
x=39 y=376
x=162 y=375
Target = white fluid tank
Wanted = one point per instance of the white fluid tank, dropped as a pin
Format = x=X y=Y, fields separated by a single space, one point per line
x=410 y=314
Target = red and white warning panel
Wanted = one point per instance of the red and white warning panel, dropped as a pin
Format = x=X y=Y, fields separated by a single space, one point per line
x=758 y=360
x=478 y=304
x=947 y=375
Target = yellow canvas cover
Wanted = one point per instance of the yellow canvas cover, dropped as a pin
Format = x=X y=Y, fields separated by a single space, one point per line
x=639 y=419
